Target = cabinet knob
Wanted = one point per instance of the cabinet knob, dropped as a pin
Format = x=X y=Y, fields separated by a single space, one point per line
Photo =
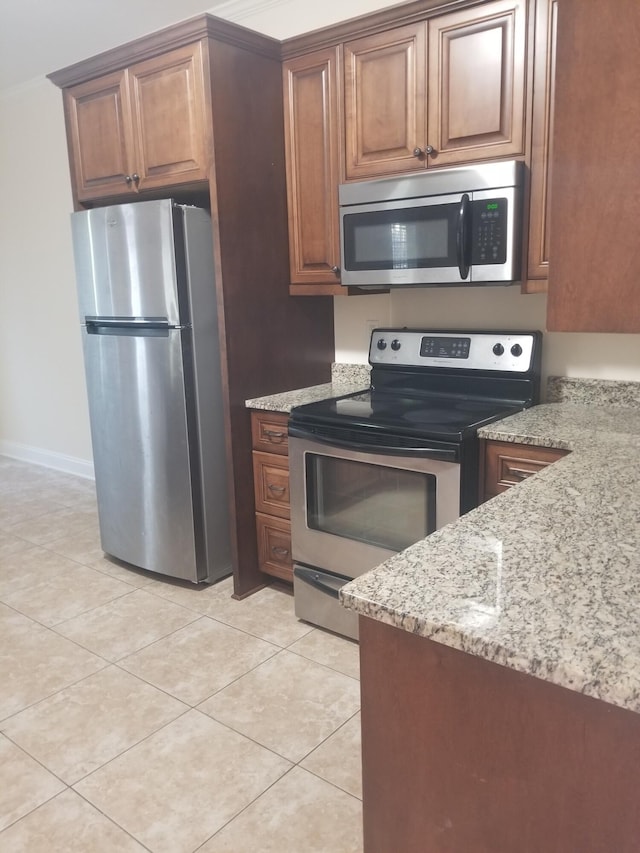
x=136 y=177
x=429 y=149
x=128 y=179
x=418 y=152
x=336 y=271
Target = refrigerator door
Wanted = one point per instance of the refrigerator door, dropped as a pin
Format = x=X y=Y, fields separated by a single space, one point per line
x=147 y=486
x=125 y=259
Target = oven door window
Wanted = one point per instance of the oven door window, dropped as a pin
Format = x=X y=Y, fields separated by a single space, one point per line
x=387 y=507
x=405 y=238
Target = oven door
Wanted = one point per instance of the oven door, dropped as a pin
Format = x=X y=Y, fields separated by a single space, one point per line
x=352 y=508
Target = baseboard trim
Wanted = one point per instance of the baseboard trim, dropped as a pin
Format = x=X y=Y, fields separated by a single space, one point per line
x=47 y=458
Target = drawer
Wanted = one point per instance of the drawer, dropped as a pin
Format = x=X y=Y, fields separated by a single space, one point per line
x=271 y=483
x=269 y=432
x=507 y=464
x=274 y=546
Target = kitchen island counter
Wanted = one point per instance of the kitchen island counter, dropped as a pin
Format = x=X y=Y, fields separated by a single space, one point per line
x=545 y=578
x=500 y=660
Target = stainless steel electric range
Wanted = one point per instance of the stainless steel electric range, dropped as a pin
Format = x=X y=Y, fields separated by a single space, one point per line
x=373 y=472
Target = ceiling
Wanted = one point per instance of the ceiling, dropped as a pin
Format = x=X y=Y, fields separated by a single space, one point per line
x=37 y=38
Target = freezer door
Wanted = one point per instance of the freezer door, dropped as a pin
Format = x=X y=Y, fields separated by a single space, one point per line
x=125 y=257
x=143 y=447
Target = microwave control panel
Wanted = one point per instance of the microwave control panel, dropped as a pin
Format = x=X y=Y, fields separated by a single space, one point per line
x=489 y=231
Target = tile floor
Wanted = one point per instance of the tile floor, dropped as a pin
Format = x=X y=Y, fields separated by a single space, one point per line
x=137 y=713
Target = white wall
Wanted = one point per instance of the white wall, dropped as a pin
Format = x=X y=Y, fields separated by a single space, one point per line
x=579 y=355
x=43 y=410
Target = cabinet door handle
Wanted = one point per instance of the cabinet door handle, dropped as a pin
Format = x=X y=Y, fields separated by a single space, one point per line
x=422 y=152
x=136 y=178
x=336 y=271
x=418 y=152
x=271 y=433
x=280 y=552
x=128 y=179
x=520 y=473
x=276 y=489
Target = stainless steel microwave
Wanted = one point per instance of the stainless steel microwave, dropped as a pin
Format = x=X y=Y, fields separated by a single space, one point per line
x=447 y=227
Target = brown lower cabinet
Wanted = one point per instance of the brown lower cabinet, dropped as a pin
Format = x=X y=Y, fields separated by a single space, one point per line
x=461 y=755
x=271 y=491
x=506 y=464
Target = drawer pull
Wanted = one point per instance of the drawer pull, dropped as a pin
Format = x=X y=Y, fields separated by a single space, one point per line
x=279 y=490
x=521 y=473
x=279 y=551
x=272 y=433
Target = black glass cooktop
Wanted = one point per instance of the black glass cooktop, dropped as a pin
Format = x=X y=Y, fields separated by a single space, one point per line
x=448 y=418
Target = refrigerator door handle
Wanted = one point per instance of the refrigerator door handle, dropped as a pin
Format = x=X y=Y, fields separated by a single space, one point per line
x=148 y=327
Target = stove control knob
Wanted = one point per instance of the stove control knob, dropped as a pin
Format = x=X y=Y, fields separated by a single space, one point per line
x=498 y=349
x=516 y=350
x=382 y=344
x=395 y=345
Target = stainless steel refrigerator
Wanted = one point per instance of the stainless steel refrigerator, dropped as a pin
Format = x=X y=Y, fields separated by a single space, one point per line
x=145 y=276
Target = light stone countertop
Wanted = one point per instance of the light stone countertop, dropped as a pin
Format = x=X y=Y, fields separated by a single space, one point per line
x=544 y=578
x=345 y=379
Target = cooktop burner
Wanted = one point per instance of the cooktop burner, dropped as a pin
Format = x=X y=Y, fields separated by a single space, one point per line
x=444 y=418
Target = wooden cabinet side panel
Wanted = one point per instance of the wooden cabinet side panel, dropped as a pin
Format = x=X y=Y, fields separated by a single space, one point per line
x=462 y=755
x=595 y=205
x=99 y=135
x=544 y=73
x=312 y=145
x=168 y=102
x=385 y=102
x=477 y=75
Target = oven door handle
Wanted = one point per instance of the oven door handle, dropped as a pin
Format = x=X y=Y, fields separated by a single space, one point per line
x=446 y=454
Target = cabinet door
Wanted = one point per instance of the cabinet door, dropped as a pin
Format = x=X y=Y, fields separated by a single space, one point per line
x=595 y=205
x=313 y=130
x=169 y=118
x=99 y=130
x=507 y=464
x=271 y=483
x=542 y=135
x=385 y=102
x=476 y=73
x=274 y=546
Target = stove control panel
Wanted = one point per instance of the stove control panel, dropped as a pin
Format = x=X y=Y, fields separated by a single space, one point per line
x=513 y=352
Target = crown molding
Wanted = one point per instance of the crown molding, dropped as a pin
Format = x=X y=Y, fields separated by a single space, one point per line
x=239 y=10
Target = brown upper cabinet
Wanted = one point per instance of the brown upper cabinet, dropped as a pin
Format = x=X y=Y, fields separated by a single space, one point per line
x=139 y=128
x=546 y=25
x=313 y=130
x=595 y=207
x=446 y=91
x=366 y=99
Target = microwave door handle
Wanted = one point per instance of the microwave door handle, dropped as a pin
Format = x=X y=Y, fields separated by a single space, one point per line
x=462 y=241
